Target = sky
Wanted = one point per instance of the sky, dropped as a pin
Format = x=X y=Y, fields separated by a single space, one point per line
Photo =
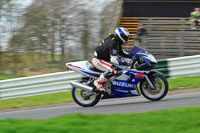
x=24 y=3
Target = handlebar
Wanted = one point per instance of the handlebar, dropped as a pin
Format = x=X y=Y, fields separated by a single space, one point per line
x=141 y=66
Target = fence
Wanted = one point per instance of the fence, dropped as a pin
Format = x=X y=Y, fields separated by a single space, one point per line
x=175 y=67
x=37 y=85
x=59 y=82
x=168 y=37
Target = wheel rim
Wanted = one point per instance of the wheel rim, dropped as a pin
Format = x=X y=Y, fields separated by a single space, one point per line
x=158 y=83
x=84 y=97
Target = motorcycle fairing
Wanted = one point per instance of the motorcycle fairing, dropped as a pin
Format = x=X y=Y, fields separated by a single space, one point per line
x=123 y=88
x=82 y=67
x=140 y=52
x=137 y=49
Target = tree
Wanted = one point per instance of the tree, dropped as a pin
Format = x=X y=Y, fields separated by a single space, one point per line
x=106 y=18
x=85 y=32
x=11 y=19
x=3 y=7
x=49 y=26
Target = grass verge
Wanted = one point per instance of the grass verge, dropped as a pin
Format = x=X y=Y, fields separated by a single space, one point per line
x=182 y=82
x=36 y=100
x=165 y=121
x=3 y=77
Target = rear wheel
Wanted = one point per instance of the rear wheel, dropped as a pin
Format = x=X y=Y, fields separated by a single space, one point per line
x=85 y=98
x=160 y=88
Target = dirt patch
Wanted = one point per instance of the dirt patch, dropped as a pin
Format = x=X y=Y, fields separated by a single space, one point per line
x=183 y=90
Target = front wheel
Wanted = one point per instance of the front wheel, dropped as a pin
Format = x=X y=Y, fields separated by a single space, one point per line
x=160 y=87
x=85 y=98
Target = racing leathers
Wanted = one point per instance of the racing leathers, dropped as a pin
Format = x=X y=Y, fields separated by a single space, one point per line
x=108 y=51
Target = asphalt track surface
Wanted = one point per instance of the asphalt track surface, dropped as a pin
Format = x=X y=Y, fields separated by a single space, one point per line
x=128 y=105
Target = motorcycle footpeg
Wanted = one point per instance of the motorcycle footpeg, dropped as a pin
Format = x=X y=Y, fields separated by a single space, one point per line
x=96 y=90
x=99 y=91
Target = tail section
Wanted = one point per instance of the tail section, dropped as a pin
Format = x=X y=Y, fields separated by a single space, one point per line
x=82 y=67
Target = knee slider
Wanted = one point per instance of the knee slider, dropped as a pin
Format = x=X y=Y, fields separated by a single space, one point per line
x=114 y=69
x=108 y=74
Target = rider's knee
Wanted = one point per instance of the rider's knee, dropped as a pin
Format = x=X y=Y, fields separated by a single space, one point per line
x=108 y=74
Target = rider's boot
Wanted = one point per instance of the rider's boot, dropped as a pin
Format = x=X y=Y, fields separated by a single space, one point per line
x=98 y=83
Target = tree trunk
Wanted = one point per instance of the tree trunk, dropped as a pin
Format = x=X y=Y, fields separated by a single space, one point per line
x=52 y=52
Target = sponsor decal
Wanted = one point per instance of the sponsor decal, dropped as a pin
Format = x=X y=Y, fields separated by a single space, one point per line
x=122 y=84
x=140 y=75
x=76 y=66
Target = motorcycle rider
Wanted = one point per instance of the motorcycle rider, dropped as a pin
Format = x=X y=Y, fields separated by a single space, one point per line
x=110 y=50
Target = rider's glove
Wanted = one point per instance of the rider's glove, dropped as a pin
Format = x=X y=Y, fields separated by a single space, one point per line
x=124 y=63
x=127 y=62
x=134 y=58
x=130 y=62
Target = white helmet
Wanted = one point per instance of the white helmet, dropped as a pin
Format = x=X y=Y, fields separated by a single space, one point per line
x=122 y=34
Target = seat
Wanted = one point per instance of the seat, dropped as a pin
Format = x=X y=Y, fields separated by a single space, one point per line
x=92 y=68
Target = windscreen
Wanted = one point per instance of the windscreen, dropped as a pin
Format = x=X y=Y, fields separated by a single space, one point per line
x=136 y=49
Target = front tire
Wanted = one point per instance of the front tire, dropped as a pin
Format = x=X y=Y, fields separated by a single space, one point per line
x=161 y=87
x=85 y=98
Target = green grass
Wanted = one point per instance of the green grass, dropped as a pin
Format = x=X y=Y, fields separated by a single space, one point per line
x=3 y=77
x=164 y=121
x=36 y=100
x=182 y=82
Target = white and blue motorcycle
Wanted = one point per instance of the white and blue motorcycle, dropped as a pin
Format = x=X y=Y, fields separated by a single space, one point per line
x=153 y=85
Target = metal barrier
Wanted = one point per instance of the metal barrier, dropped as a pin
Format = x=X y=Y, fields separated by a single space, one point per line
x=37 y=85
x=175 y=67
x=59 y=82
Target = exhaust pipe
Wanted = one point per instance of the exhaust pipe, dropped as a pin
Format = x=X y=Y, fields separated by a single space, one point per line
x=81 y=86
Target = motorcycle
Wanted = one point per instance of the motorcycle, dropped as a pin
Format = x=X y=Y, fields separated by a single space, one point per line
x=133 y=80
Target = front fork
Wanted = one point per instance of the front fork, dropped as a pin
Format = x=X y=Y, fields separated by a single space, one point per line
x=152 y=86
x=150 y=83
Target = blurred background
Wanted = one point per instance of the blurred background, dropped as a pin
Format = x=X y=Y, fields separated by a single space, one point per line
x=41 y=36
x=38 y=37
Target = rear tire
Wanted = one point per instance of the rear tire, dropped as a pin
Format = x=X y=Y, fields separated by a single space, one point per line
x=85 y=98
